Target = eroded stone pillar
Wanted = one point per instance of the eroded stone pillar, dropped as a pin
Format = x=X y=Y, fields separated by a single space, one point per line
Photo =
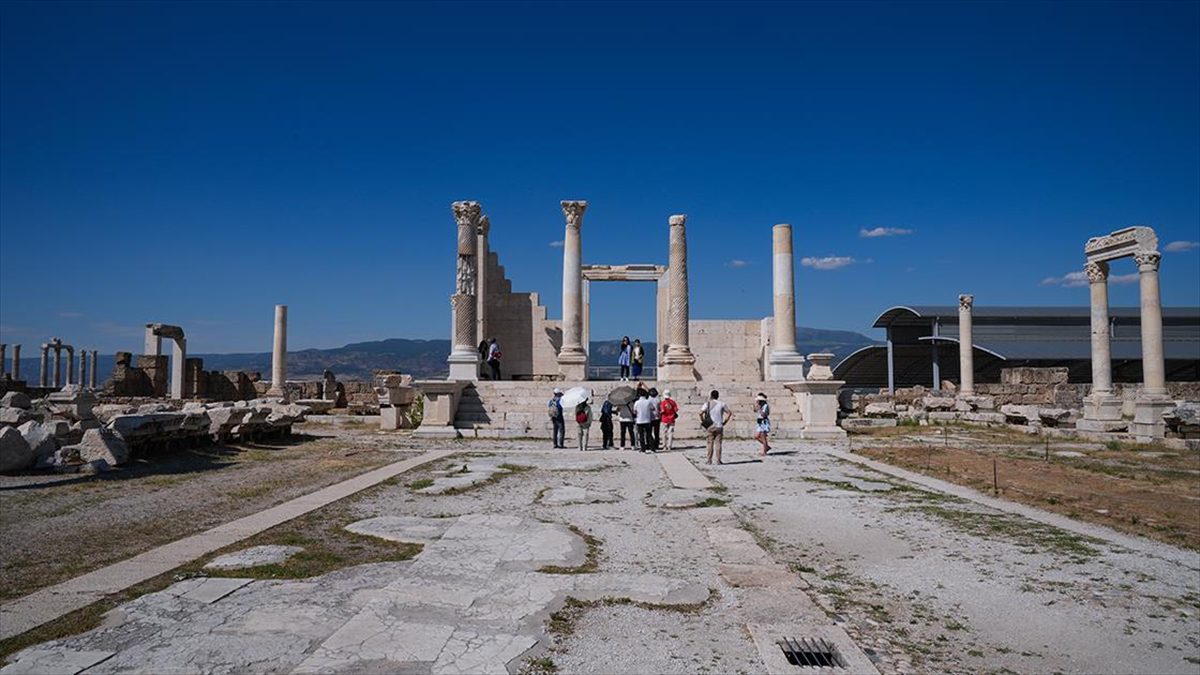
x=16 y=362
x=3 y=349
x=481 y=279
x=70 y=365
x=44 y=374
x=1152 y=401
x=787 y=365
x=178 y=366
x=572 y=359
x=679 y=362
x=82 y=379
x=57 y=366
x=95 y=361
x=1100 y=405
x=278 y=355
x=464 y=358
x=966 y=345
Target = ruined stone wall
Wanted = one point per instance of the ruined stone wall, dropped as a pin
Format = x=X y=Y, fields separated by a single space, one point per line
x=529 y=341
x=727 y=351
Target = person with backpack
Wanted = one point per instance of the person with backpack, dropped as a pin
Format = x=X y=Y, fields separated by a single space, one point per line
x=713 y=418
x=493 y=358
x=638 y=357
x=656 y=414
x=625 y=415
x=623 y=358
x=668 y=411
x=555 y=410
x=583 y=417
x=606 y=426
x=762 y=426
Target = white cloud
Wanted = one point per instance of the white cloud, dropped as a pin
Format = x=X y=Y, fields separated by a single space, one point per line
x=883 y=232
x=831 y=262
x=1078 y=279
x=1181 y=246
x=558 y=243
x=737 y=264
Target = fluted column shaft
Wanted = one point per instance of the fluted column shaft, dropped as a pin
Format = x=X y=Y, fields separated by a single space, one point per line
x=966 y=345
x=1154 y=380
x=678 y=361
x=279 y=354
x=1097 y=273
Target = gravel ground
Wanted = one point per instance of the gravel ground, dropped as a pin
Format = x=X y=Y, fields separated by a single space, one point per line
x=56 y=526
x=929 y=581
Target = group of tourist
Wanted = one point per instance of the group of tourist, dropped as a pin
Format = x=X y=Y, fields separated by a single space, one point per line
x=631 y=359
x=649 y=421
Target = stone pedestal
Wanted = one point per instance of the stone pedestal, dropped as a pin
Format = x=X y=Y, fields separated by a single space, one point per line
x=1148 y=424
x=786 y=364
x=678 y=362
x=441 y=405
x=818 y=401
x=572 y=358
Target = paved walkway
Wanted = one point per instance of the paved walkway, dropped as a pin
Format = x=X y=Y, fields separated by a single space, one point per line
x=1150 y=547
x=48 y=604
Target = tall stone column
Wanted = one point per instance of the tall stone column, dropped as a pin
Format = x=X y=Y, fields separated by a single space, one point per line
x=464 y=359
x=966 y=345
x=787 y=365
x=70 y=365
x=16 y=362
x=3 y=348
x=278 y=355
x=179 y=366
x=1100 y=405
x=57 y=366
x=82 y=379
x=1152 y=401
x=679 y=362
x=44 y=374
x=572 y=359
x=482 y=251
x=95 y=361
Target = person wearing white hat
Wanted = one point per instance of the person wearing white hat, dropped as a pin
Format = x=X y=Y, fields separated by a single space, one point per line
x=668 y=410
x=762 y=427
x=555 y=410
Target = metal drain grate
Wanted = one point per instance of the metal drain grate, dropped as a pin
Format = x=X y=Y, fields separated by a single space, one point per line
x=815 y=652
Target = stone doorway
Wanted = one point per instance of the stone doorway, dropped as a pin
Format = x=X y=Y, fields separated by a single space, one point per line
x=637 y=273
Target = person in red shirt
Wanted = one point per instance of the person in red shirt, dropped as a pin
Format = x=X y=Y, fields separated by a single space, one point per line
x=668 y=410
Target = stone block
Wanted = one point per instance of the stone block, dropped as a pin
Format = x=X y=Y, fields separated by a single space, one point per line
x=1184 y=420
x=16 y=399
x=14 y=416
x=937 y=403
x=880 y=409
x=15 y=453
x=984 y=417
x=42 y=441
x=101 y=444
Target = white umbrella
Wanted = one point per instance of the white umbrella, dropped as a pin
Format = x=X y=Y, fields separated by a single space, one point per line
x=575 y=395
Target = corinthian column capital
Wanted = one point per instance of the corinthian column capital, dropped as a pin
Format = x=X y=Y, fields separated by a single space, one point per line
x=466 y=214
x=1097 y=271
x=966 y=301
x=1147 y=261
x=573 y=210
x=677 y=220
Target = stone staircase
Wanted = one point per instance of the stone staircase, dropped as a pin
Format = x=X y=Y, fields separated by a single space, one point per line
x=509 y=409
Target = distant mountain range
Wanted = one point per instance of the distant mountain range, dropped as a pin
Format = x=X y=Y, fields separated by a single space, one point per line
x=425 y=358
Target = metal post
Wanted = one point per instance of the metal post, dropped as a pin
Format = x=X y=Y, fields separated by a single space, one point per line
x=891 y=364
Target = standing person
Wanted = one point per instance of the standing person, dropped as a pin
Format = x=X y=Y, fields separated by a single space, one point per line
x=669 y=409
x=762 y=424
x=623 y=358
x=645 y=420
x=655 y=402
x=583 y=417
x=639 y=358
x=483 y=352
x=606 y=427
x=625 y=414
x=713 y=418
x=493 y=358
x=555 y=410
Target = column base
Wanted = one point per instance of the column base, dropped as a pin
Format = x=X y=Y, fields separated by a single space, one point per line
x=1102 y=408
x=785 y=367
x=464 y=367
x=1148 y=422
x=276 y=392
x=572 y=365
x=677 y=372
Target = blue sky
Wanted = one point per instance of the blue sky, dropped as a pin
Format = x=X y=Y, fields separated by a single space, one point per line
x=196 y=163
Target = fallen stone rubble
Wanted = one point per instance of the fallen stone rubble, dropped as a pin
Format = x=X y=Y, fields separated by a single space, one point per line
x=67 y=431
